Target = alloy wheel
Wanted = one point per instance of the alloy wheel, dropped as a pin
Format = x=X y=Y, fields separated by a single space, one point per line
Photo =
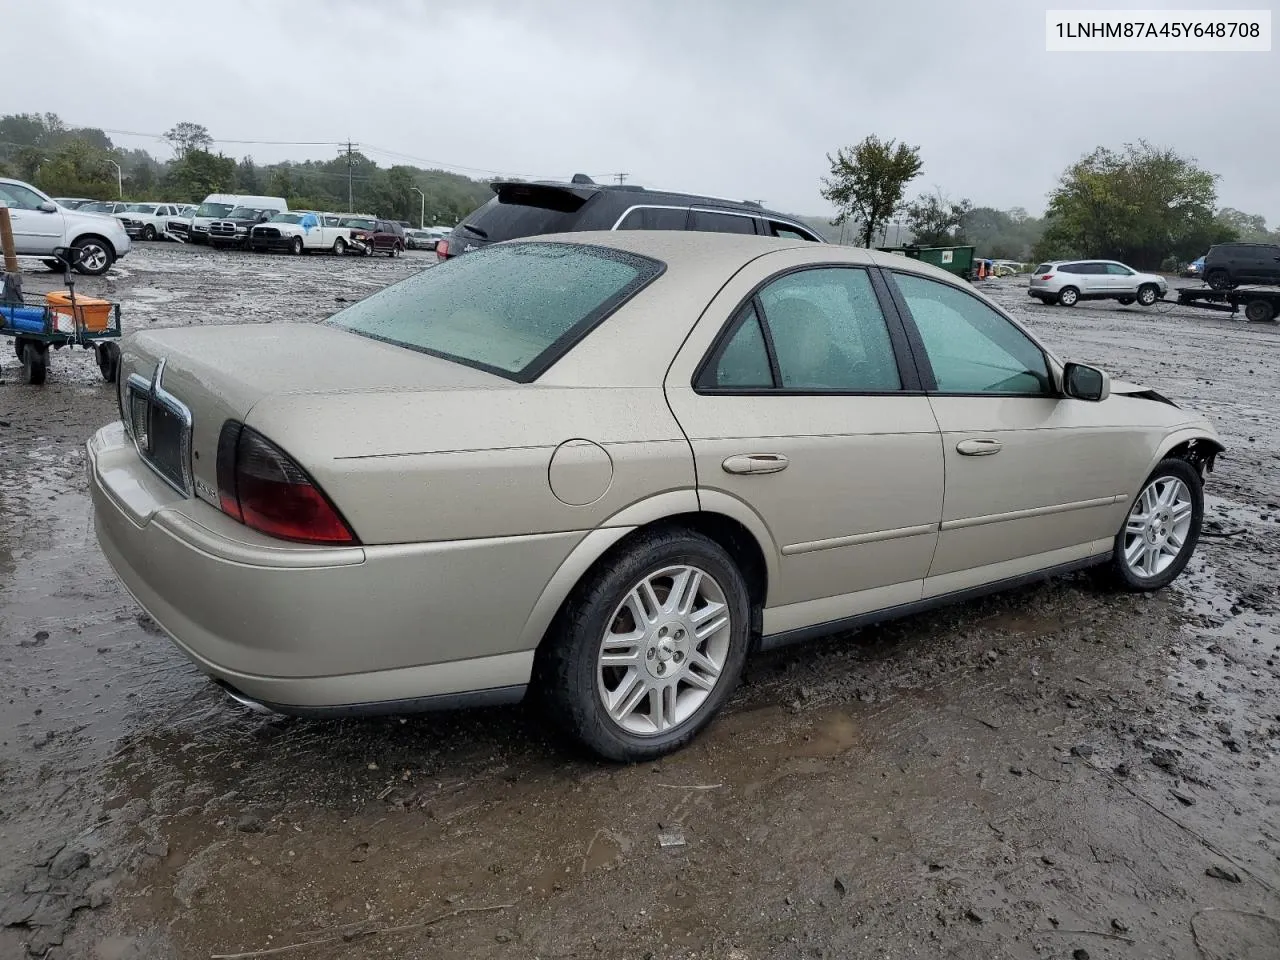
x=1157 y=528
x=664 y=650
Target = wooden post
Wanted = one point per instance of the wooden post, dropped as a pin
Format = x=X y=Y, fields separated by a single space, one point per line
x=11 y=281
x=6 y=241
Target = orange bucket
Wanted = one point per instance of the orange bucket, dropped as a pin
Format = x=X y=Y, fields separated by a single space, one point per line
x=94 y=316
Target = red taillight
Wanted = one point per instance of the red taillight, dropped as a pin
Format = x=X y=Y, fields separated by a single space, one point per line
x=261 y=486
x=442 y=249
x=1047 y=276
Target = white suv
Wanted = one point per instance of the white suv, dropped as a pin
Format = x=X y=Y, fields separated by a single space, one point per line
x=1070 y=281
x=40 y=227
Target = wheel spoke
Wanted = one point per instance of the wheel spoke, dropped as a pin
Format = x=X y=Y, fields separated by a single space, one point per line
x=684 y=591
x=1172 y=546
x=627 y=696
x=1182 y=510
x=1133 y=552
x=712 y=624
x=1136 y=526
x=1168 y=493
x=635 y=603
x=703 y=672
x=620 y=654
x=648 y=600
x=1151 y=559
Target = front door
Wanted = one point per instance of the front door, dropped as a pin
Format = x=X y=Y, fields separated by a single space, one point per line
x=1033 y=479
x=35 y=231
x=802 y=413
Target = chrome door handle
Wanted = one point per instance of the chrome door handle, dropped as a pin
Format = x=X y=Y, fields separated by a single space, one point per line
x=979 y=447
x=755 y=463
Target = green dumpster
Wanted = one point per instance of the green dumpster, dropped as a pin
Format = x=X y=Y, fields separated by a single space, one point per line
x=957 y=260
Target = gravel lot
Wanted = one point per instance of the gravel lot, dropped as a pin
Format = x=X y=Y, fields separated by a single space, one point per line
x=1060 y=772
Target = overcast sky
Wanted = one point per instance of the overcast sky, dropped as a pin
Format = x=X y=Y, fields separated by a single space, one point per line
x=738 y=98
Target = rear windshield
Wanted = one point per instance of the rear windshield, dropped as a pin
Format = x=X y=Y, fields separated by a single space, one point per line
x=1043 y=268
x=361 y=223
x=512 y=310
x=497 y=221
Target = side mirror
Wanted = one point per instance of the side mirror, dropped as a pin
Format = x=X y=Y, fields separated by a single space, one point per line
x=1085 y=383
x=48 y=207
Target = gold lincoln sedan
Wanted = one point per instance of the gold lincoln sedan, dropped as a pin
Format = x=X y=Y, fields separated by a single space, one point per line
x=606 y=467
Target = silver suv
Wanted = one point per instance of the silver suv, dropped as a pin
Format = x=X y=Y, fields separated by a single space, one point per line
x=1069 y=281
x=40 y=227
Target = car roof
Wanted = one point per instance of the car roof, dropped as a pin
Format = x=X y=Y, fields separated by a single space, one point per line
x=691 y=249
x=635 y=195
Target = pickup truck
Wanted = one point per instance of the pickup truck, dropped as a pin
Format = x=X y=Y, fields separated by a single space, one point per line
x=148 y=221
x=301 y=231
x=233 y=230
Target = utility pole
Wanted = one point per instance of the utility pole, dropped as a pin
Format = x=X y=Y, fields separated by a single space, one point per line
x=119 y=179
x=621 y=178
x=350 y=164
x=422 y=215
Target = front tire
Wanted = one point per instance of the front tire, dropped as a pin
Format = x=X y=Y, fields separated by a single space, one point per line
x=94 y=256
x=295 y=247
x=108 y=356
x=647 y=650
x=1161 y=530
x=1147 y=295
x=148 y=232
x=1068 y=296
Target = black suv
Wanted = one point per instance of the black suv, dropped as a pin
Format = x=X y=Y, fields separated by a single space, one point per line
x=1228 y=265
x=529 y=209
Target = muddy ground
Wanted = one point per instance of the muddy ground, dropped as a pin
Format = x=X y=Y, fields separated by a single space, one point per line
x=1060 y=772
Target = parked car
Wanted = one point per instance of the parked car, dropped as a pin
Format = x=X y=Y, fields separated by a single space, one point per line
x=373 y=235
x=298 y=231
x=72 y=203
x=415 y=239
x=109 y=207
x=1194 y=269
x=40 y=226
x=1228 y=265
x=607 y=467
x=1068 y=282
x=217 y=206
x=528 y=209
x=148 y=221
x=233 y=229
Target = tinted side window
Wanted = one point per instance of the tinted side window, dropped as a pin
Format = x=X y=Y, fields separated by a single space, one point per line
x=744 y=360
x=828 y=332
x=788 y=232
x=19 y=198
x=971 y=348
x=1117 y=270
x=1071 y=268
x=721 y=222
x=655 y=218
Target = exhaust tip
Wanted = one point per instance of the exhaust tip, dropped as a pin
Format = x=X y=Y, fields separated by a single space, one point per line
x=241 y=699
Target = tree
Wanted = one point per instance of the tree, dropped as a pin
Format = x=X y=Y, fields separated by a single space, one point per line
x=77 y=169
x=1249 y=227
x=200 y=173
x=868 y=181
x=1141 y=205
x=186 y=137
x=247 y=180
x=1002 y=234
x=936 y=220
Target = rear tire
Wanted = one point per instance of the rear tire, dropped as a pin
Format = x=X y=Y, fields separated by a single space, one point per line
x=1068 y=296
x=54 y=266
x=1124 y=301
x=668 y=664
x=1161 y=529
x=1218 y=280
x=108 y=361
x=1259 y=311
x=1148 y=294
x=35 y=362
x=339 y=247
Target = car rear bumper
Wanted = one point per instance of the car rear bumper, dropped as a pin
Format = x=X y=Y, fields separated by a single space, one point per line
x=316 y=630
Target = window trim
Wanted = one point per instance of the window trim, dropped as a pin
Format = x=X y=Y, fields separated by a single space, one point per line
x=899 y=343
x=617 y=224
x=927 y=374
x=695 y=208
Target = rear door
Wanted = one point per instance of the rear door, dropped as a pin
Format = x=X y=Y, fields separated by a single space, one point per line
x=797 y=396
x=1260 y=264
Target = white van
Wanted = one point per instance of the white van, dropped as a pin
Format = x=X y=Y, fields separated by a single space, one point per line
x=216 y=206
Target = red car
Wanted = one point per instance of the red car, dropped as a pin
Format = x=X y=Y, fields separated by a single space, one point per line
x=375 y=235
